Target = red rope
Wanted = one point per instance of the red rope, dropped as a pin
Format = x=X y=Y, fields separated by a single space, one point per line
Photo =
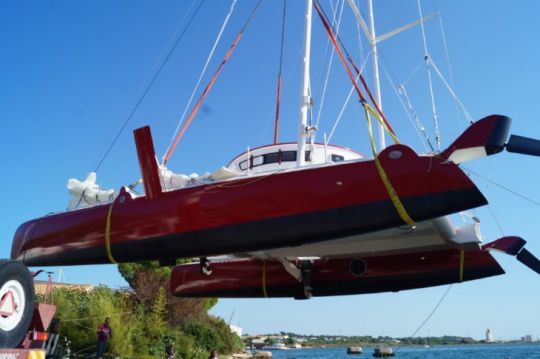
x=371 y=97
x=330 y=32
x=334 y=41
x=200 y=100
x=209 y=86
x=276 y=124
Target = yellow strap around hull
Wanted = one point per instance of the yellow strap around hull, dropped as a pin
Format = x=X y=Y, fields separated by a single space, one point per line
x=402 y=212
x=108 y=235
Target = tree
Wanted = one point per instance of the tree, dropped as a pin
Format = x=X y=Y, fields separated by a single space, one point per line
x=290 y=341
x=269 y=341
x=146 y=278
x=173 y=319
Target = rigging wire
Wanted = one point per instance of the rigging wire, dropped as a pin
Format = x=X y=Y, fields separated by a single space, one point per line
x=209 y=85
x=276 y=124
x=416 y=122
x=495 y=219
x=429 y=316
x=326 y=51
x=427 y=58
x=154 y=77
x=205 y=67
x=419 y=125
x=504 y=187
x=413 y=72
x=336 y=40
x=358 y=30
x=454 y=95
x=447 y=57
x=346 y=101
x=330 y=61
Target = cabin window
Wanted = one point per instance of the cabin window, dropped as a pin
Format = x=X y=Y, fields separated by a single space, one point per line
x=288 y=156
x=274 y=157
x=243 y=165
x=337 y=158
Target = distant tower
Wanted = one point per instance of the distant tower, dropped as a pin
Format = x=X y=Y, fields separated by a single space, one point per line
x=489 y=336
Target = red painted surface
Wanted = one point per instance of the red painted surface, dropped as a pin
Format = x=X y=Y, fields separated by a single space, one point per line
x=235 y=278
x=240 y=201
x=42 y=317
x=480 y=134
x=147 y=162
x=510 y=244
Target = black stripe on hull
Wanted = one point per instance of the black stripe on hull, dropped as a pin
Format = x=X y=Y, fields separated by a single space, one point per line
x=271 y=233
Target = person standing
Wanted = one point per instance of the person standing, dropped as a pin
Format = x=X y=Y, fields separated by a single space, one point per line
x=213 y=354
x=104 y=333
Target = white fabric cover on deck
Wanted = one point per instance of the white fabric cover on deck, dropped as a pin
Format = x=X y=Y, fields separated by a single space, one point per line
x=87 y=193
x=171 y=180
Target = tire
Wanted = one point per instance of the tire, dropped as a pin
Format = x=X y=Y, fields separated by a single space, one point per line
x=16 y=302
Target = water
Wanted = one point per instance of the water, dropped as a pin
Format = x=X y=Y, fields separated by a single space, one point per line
x=497 y=351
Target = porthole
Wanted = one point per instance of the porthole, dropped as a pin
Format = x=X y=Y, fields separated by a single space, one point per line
x=357 y=267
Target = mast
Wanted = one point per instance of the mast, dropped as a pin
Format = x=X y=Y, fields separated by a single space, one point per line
x=373 y=41
x=375 y=62
x=305 y=98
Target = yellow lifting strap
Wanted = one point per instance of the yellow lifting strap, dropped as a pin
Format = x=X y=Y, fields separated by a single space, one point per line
x=265 y=293
x=461 y=264
x=386 y=181
x=108 y=235
x=35 y=354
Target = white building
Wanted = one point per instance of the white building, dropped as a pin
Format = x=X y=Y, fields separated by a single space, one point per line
x=489 y=336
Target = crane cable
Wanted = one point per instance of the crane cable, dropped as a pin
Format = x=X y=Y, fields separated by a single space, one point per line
x=203 y=72
x=154 y=77
x=429 y=316
x=209 y=86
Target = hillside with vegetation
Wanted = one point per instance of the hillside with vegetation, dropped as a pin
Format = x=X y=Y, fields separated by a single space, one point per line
x=145 y=318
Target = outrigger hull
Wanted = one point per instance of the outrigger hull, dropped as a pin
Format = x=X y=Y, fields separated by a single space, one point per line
x=253 y=278
x=259 y=212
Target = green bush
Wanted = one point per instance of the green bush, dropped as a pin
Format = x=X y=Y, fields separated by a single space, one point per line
x=140 y=327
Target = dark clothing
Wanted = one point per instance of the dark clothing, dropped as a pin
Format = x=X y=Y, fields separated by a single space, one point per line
x=104 y=332
x=101 y=348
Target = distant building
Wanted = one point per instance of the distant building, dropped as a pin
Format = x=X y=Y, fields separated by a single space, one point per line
x=527 y=339
x=42 y=286
x=489 y=336
x=257 y=343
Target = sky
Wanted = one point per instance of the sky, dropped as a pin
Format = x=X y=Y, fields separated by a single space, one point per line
x=73 y=71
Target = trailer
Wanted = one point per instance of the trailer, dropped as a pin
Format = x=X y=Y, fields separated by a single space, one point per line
x=24 y=323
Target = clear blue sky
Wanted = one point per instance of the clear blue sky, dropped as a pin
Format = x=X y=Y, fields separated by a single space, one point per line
x=72 y=71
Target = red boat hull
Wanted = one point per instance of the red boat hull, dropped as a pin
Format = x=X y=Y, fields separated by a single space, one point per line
x=254 y=278
x=278 y=210
x=282 y=209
